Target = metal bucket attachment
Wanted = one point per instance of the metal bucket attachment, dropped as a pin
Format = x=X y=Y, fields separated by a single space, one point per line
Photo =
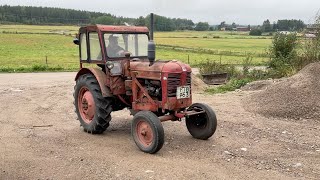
x=215 y=79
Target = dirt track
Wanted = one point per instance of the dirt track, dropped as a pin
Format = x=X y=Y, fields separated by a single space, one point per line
x=41 y=139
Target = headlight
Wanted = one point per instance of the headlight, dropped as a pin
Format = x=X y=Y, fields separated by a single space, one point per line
x=110 y=65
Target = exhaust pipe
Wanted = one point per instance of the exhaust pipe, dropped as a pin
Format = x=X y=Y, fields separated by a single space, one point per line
x=151 y=26
x=151 y=44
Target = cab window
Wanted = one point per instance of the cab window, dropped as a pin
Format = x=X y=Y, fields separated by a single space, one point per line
x=83 y=45
x=95 y=49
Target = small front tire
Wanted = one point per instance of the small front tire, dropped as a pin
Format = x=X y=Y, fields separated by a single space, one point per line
x=202 y=126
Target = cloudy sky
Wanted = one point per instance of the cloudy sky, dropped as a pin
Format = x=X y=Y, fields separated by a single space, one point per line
x=212 y=11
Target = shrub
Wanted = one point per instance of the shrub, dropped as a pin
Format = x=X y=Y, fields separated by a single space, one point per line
x=37 y=67
x=255 y=32
x=246 y=64
x=311 y=48
x=283 y=55
x=232 y=85
x=55 y=68
x=211 y=67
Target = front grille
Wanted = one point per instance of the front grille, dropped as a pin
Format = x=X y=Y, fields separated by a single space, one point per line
x=174 y=82
x=189 y=79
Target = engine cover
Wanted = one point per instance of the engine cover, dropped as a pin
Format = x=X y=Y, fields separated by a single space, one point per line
x=171 y=74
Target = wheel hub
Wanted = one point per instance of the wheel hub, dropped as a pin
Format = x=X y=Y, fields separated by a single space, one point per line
x=145 y=133
x=86 y=105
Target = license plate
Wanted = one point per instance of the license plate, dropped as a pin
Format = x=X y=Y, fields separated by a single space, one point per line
x=183 y=92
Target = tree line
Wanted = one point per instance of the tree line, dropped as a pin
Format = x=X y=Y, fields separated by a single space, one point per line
x=60 y=16
x=283 y=25
x=56 y=16
x=292 y=25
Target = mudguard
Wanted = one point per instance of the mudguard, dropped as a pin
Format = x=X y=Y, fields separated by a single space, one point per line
x=101 y=78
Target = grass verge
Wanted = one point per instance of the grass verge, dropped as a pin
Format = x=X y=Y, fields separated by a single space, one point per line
x=35 y=68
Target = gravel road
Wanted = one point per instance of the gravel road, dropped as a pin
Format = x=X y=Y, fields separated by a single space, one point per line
x=41 y=139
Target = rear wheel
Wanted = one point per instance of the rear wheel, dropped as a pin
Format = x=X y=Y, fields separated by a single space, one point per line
x=147 y=132
x=202 y=126
x=92 y=108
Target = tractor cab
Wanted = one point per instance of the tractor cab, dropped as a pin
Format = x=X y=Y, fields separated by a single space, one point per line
x=100 y=43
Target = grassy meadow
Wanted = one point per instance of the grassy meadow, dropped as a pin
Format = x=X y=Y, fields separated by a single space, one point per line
x=26 y=47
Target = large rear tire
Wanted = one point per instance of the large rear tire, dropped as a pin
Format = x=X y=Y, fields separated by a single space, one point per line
x=202 y=126
x=92 y=108
x=147 y=132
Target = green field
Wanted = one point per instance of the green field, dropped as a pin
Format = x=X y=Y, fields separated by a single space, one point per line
x=39 y=29
x=23 y=46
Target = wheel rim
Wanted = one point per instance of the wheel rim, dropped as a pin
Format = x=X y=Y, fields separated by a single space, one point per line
x=200 y=120
x=144 y=133
x=86 y=105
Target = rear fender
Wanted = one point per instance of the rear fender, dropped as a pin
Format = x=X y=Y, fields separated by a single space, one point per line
x=101 y=78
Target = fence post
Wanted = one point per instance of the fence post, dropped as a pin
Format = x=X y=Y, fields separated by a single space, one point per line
x=47 y=60
x=188 y=59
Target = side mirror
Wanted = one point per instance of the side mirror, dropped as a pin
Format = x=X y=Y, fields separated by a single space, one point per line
x=76 y=41
x=151 y=52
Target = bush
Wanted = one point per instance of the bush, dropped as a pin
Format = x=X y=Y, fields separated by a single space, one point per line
x=311 y=50
x=311 y=47
x=211 y=67
x=255 y=32
x=232 y=85
x=246 y=64
x=283 y=55
x=38 y=67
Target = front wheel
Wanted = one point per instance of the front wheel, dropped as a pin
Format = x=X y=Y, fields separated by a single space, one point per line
x=202 y=126
x=147 y=132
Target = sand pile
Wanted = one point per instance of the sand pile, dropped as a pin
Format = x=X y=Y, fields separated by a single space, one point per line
x=197 y=83
x=294 y=97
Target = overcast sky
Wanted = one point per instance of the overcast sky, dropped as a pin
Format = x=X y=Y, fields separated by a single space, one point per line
x=212 y=11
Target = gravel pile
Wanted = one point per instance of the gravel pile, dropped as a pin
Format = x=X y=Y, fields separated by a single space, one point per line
x=197 y=83
x=257 y=85
x=295 y=97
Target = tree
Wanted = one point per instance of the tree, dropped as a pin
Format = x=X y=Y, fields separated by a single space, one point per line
x=108 y=20
x=211 y=28
x=274 y=27
x=202 y=26
x=222 y=25
x=183 y=24
x=162 y=23
x=140 y=21
x=290 y=25
x=266 y=26
x=234 y=25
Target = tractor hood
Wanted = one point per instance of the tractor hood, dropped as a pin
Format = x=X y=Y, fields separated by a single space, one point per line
x=142 y=69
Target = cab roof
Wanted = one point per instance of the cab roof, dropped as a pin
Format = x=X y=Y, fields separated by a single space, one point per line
x=107 y=28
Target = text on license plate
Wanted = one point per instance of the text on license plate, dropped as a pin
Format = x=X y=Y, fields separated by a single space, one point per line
x=183 y=92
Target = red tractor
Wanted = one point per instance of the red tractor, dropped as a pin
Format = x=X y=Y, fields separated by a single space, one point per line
x=127 y=76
